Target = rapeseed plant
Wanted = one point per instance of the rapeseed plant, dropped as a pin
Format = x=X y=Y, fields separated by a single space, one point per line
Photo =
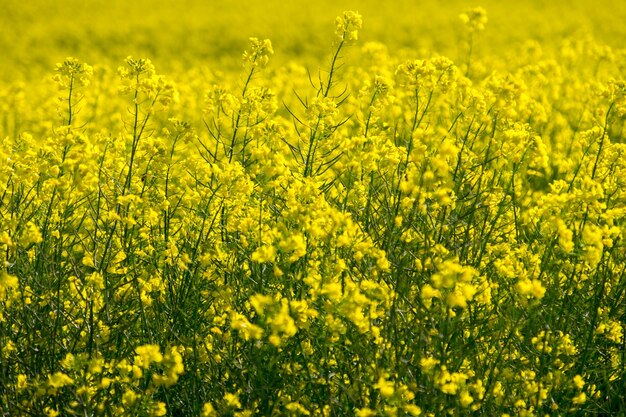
x=398 y=234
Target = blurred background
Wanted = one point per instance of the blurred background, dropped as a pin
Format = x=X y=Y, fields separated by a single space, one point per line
x=36 y=34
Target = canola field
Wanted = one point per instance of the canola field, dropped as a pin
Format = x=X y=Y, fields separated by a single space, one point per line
x=329 y=208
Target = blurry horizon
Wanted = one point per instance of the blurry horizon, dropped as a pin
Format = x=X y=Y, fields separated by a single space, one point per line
x=38 y=33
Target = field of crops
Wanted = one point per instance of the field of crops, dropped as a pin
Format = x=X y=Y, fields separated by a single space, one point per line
x=274 y=208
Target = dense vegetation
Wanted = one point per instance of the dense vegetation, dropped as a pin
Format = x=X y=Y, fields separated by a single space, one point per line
x=397 y=233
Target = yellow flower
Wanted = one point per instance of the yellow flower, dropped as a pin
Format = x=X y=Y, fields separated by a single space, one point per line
x=246 y=329
x=129 y=397
x=51 y=412
x=208 y=410
x=59 y=380
x=365 y=412
x=428 y=364
x=22 y=382
x=159 y=409
x=428 y=293
x=297 y=409
x=232 y=400
x=72 y=72
x=456 y=299
x=475 y=19
x=580 y=399
x=259 y=53
x=147 y=354
x=296 y=244
x=528 y=287
x=31 y=234
x=412 y=410
x=385 y=387
x=579 y=382
x=172 y=368
x=465 y=399
x=282 y=324
x=264 y=254
x=259 y=302
x=348 y=25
